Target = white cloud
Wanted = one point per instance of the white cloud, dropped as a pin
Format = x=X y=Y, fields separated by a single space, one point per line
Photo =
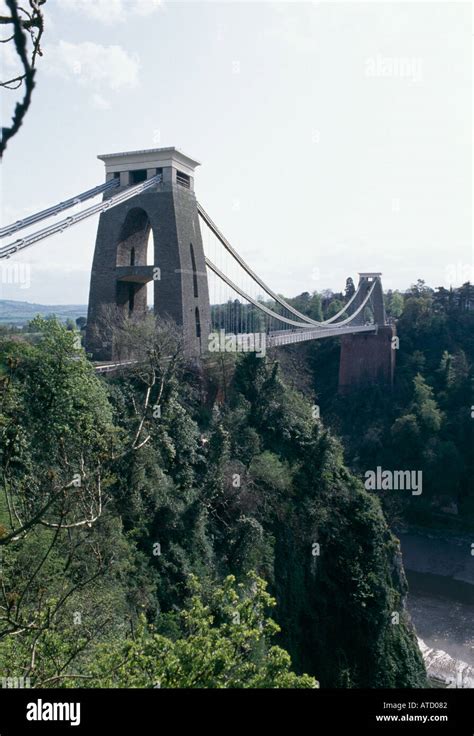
x=112 y=11
x=145 y=7
x=92 y=65
x=99 y=102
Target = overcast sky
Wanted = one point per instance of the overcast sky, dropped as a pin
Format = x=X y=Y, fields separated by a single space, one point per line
x=334 y=137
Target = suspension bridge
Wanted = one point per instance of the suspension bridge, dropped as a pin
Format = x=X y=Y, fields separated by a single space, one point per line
x=154 y=237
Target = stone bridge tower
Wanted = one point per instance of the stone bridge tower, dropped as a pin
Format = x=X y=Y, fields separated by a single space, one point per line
x=368 y=359
x=120 y=271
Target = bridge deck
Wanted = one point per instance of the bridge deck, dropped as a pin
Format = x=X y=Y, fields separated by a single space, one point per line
x=287 y=337
x=273 y=340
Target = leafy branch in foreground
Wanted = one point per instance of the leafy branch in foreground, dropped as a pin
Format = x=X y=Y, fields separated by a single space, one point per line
x=222 y=642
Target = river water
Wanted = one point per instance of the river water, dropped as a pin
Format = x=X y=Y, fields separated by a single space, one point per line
x=440 y=574
x=442 y=610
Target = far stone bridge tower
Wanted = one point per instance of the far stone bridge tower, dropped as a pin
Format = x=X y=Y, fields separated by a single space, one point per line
x=120 y=271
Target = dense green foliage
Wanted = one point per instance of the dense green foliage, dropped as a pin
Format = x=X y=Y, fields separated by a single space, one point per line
x=222 y=643
x=427 y=422
x=118 y=496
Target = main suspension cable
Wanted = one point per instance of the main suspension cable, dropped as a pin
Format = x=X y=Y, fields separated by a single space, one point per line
x=59 y=227
x=58 y=208
x=279 y=317
x=209 y=222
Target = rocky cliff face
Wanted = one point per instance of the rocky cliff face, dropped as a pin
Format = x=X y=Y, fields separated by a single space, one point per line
x=333 y=564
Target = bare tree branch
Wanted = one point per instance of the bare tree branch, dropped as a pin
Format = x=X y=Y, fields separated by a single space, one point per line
x=33 y=24
x=16 y=534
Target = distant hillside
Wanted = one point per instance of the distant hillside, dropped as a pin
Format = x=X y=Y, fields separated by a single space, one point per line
x=19 y=313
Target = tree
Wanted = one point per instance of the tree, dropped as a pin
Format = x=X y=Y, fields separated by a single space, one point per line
x=81 y=323
x=324 y=544
x=454 y=369
x=420 y=288
x=315 y=310
x=350 y=289
x=189 y=487
x=335 y=306
x=309 y=304
x=57 y=443
x=425 y=407
x=395 y=305
x=220 y=643
x=56 y=434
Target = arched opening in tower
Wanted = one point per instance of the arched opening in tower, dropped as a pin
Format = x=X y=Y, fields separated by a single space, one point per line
x=131 y=294
x=132 y=245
